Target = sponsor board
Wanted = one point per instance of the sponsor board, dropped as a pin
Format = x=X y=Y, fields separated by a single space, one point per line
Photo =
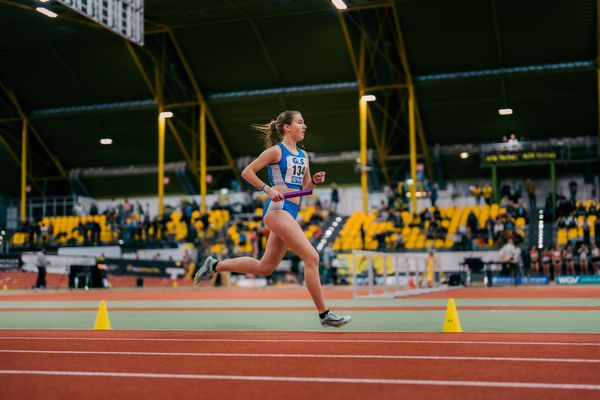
x=121 y=266
x=520 y=280
x=10 y=262
x=56 y=264
x=577 y=280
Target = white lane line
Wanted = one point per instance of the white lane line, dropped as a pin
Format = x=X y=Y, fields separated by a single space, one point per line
x=283 y=355
x=517 y=385
x=338 y=341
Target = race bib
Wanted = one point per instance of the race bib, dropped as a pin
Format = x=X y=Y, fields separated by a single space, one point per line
x=296 y=167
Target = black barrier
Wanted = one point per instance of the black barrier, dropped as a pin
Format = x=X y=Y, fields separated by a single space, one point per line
x=120 y=266
x=10 y=262
x=80 y=276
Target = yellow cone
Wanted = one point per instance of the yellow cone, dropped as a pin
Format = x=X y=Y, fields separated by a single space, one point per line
x=4 y=286
x=451 y=322
x=175 y=284
x=102 y=321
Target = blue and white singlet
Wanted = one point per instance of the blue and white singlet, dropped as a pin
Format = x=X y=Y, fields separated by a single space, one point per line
x=288 y=172
x=290 y=169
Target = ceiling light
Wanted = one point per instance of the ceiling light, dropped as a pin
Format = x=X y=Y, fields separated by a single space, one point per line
x=166 y=114
x=505 y=111
x=106 y=141
x=46 y=12
x=339 y=4
x=368 y=97
x=464 y=155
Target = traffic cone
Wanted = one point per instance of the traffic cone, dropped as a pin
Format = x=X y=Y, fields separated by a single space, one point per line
x=411 y=282
x=102 y=321
x=4 y=286
x=175 y=284
x=451 y=323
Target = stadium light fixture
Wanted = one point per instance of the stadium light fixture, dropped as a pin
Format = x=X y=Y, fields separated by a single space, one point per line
x=166 y=114
x=339 y=4
x=368 y=97
x=505 y=111
x=46 y=12
x=43 y=1
x=106 y=141
x=464 y=155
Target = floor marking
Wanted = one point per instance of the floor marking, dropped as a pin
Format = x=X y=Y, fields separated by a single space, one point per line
x=340 y=340
x=516 y=385
x=283 y=355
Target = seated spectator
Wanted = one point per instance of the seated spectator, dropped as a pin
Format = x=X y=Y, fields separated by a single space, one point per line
x=513 y=143
x=432 y=230
x=400 y=242
x=425 y=215
x=472 y=223
x=437 y=215
x=416 y=221
x=509 y=224
x=521 y=211
x=476 y=192
x=508 y=257
x=498 y=229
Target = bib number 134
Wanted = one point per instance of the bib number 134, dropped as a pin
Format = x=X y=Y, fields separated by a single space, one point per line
x=299 y=170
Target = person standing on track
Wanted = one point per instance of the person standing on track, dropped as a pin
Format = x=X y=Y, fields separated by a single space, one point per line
x=41 y=262
x=289 y=171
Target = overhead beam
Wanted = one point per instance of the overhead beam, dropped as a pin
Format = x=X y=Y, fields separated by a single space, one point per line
x=155 y=93
x=54 y=158
x=263 y=47
x=378 y=4
x=23 y=208
x=537 y=69
x=499 y=50
x=202 y=100
x=359 y=71
x=598 y=61
x=181 y=146
x=17 y=160
x=379 y=148
x=400 y=48
x=141 y=69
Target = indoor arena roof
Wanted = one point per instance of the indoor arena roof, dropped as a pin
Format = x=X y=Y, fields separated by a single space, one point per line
x=77 y=82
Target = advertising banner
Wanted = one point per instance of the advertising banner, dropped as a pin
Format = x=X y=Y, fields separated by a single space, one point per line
x=521 y=280
x=10 y=262
x=578 y=280
x=120 y=266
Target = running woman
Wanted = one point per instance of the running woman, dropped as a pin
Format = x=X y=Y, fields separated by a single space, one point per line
x=289 y=171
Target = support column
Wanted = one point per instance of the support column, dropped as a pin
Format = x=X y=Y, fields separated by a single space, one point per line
x=413 y=147
x=24 y=171
x=495 y=191
x=203 y=157
x=553 y=183
x=362 y=106
x=161 y=164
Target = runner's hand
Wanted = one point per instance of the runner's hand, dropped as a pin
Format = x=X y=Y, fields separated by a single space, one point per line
x=274 y=195
x=319 y=177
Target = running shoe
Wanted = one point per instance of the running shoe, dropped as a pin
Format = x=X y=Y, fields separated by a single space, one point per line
x=207 y=270
x=335 y=320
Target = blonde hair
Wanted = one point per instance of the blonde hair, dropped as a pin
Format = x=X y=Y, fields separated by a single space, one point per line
x=273 y=131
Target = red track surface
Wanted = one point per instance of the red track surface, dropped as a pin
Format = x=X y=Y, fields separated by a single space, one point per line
x=273 y=365
x=286 y=292
x=340 y=308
